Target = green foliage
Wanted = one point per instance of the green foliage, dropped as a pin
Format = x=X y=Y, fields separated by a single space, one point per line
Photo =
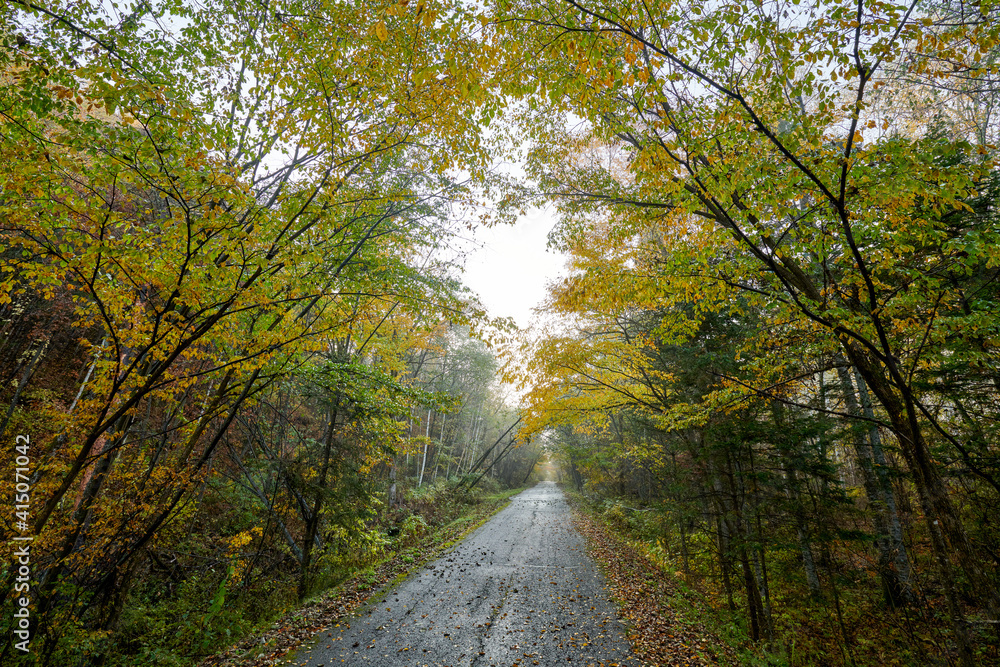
x=766 y=211
x=227 y=300
x=412 y=529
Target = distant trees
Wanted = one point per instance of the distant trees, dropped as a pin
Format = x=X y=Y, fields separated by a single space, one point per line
x=477 y=432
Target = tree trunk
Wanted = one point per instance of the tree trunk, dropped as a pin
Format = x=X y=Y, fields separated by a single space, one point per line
x=312 y=525
x=427 y=440
x=893 y=563
x=943 y=525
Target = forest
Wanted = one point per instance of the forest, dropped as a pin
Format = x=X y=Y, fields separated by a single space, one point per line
x=238 y=364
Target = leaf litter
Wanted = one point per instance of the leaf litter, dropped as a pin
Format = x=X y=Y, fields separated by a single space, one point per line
x=659 y=634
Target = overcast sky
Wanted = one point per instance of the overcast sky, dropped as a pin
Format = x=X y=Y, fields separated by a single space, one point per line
x=511 y=266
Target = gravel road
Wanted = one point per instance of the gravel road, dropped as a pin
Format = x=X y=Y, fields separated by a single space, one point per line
x=518 y=591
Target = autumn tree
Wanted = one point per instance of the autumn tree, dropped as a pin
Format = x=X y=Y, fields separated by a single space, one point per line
x=210 y=193
x=770 y=126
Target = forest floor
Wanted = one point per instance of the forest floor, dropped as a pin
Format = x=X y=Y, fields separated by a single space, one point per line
x=299 y=625
x=651 y=601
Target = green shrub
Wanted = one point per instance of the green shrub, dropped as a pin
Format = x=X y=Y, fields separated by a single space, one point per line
x=616 y=514
x=413 y=528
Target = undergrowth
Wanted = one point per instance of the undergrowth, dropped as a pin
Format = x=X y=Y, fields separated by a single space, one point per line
x=807 y=630
x=182 y=621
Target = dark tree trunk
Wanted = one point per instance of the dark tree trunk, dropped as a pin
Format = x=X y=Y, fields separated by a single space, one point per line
x=893 y=563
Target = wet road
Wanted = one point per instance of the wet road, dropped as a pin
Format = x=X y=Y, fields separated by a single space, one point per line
x=518 y=591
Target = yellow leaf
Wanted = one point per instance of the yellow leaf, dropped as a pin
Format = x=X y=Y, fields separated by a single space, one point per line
x=381 y=31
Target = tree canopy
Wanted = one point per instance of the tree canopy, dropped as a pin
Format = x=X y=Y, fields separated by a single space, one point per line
x=229 y=283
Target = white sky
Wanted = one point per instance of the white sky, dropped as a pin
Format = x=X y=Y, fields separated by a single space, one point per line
x=510 y=268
